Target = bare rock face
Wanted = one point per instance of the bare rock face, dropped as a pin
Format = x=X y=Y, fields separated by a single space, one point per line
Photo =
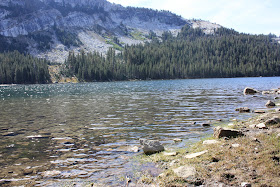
x=249 y=91
x=151 y=146
x=270 y=104
x=228 y=133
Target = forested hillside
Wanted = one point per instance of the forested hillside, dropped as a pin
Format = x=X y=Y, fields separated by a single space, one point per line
x=17 y=68
x=191 y=54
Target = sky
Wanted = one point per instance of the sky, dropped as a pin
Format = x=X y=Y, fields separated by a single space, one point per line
x=248 y=16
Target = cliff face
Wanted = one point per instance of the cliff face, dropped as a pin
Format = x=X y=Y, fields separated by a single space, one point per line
x=50 y=28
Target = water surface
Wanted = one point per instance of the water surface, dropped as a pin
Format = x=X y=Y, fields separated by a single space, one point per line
x=85 y=130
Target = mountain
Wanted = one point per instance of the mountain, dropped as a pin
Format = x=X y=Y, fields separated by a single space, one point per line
x=51 y=28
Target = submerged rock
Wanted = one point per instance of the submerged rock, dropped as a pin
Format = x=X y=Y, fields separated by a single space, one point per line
x=228 y=133
x=248 y=90
x=151 y=146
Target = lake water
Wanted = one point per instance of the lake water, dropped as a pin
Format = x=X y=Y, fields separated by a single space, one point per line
x=85 y=130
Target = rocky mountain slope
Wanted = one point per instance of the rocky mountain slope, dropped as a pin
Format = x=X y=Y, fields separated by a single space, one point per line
x=51 y=28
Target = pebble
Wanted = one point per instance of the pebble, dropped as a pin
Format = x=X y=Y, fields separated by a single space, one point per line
x=170 y=154
x=235 y=145
x=245 y=184
x=209 y=142
x=177 y=140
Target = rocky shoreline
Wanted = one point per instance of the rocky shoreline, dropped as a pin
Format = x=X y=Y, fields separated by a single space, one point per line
x=245 y=153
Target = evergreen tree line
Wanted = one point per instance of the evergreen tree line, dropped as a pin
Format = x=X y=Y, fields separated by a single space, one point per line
x=191 y=54
x=18 y=68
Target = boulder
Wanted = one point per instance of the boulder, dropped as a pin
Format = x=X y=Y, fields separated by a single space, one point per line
x=272 y=121
x=151 y=146
x=243 y=109
x=270 y=104
x=228 y=133
x=249 y=91
x=185 y=171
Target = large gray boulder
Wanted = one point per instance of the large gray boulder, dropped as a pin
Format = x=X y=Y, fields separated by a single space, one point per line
x=151 y=146
x=248 y=90
x=228 y=133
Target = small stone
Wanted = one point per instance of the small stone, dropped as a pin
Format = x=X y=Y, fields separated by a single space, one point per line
x=261 y=126
x=9 y=134
x=209 y=142
x=243 y=109
x=277 y=110
x=228 y=133
x=37 y=136
x=205 y=125
x=230 y=124
x=245 y=184
x=259 y=111
x=266 y=92
x=151 y=146
x=27 y=171
x=170 y=154
x=53 y=173
x=185 y=171
x=134 y=149
x=248 y=90
x=177 y=140
x=235 y=145
x=270 y=104
x=252 y=126
x=194 y=155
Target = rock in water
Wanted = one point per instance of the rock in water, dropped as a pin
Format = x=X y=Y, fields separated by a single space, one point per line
x=249 y=91
x=270 y=104
x=151 y=146
x=229 y=133
x=243 y=109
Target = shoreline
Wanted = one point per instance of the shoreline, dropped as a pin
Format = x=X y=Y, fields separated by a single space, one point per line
x=251 y=159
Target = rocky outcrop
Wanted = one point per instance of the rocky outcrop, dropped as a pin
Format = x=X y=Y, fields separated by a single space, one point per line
x=228 y=133
x=90 y=25
x=151 y=146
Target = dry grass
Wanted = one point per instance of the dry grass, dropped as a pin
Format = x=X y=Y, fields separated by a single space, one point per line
x=256 y=160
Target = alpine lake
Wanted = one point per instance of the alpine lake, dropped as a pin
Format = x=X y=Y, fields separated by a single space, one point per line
x=55 y=134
